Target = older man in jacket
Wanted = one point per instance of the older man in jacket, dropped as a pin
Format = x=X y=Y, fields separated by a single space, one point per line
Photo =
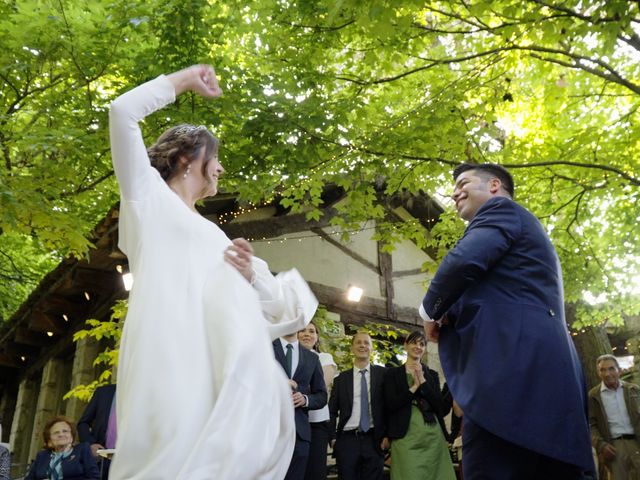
x=614 y=416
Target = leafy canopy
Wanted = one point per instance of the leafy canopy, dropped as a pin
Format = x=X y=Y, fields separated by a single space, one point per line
x=371 y=95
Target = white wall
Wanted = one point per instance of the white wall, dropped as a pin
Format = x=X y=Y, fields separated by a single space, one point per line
x=321 y=262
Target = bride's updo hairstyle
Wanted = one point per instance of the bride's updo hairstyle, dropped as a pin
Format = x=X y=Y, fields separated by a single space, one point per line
x=181 y=141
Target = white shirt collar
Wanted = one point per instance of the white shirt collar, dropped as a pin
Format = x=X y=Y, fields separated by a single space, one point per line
x=358 y=369
x=284 y=344
x=604 y=388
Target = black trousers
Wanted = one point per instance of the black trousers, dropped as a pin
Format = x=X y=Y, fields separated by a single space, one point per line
x=317 y=462
x=358 y=457
x=103 y=465
x=298 y=461
x=488 y=457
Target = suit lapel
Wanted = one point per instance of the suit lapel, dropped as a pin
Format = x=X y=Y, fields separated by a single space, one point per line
x=301 y=361
x=277 y=350
x=375 y=379
x=401 y=377
x=349 y=389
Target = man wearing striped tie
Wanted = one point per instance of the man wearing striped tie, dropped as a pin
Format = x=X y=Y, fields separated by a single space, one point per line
x=357 y=405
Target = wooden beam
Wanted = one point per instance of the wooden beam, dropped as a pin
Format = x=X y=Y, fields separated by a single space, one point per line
x=386 y=280
x=63 y=345
x=347 y=251
x=408 y=273
x=10 y=362
x=394 y=217
x=65 y=342
x=73 y=306
x=95 y=281
x=44 y=322
x=33 y=338
x=367 y=310
x=20 y=350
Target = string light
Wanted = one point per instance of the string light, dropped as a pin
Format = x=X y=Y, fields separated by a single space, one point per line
x=230 y=216
x=315 y=235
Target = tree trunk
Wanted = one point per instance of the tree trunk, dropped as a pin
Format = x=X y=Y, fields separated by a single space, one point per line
x=590 y=342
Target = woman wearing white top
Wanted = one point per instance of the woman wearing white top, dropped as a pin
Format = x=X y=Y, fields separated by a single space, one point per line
x=318 y=419
x=199 y=391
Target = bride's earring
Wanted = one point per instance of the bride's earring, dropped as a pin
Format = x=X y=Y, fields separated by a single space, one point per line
x=187 y=171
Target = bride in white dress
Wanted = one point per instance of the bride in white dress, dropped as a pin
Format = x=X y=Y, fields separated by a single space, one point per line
x=200 y=395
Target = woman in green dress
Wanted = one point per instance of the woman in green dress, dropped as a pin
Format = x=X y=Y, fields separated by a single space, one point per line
x=415 y=411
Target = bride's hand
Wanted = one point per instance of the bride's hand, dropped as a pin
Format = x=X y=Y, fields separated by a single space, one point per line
x=197 y=78
x=239 y=255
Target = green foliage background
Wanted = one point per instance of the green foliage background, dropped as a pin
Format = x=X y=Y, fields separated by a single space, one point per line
x=355 y=92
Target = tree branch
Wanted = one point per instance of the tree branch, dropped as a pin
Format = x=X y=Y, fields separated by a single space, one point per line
x=574 y=14
x=578 y=63
x=88 y=187
x=17 y=275
x=632 y=180
x=565 y=204
x=318 y=28
x=633 y=41
x=614 y=76
x=434 y=63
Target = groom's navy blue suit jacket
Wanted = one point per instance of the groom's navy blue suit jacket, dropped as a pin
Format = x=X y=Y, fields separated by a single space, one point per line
x=506 y=352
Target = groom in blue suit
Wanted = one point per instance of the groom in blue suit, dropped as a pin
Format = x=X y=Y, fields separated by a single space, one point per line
x=496 y=307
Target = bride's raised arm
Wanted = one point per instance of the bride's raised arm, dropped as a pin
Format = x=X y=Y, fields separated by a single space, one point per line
x=128 y=152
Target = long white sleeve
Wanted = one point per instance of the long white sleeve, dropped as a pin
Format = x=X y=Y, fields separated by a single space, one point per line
x=287 y=301
x=128 y=152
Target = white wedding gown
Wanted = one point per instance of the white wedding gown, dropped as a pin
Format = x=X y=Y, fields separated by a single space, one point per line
x=200 y=395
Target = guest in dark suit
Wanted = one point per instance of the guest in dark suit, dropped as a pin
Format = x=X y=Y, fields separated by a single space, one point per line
x=415 y=410
x=62 y=458
x=97 y=424
x=308 y=393
x=318 y=419
x=496 y=304
x=357 y=405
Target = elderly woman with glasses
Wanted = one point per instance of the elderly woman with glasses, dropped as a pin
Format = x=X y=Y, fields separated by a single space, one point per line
x=63 y=458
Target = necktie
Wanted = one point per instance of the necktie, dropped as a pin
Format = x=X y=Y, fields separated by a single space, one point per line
x=289 y=359
x=364 y=403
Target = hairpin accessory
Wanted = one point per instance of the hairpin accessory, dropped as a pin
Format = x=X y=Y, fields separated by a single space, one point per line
x=188 y=129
